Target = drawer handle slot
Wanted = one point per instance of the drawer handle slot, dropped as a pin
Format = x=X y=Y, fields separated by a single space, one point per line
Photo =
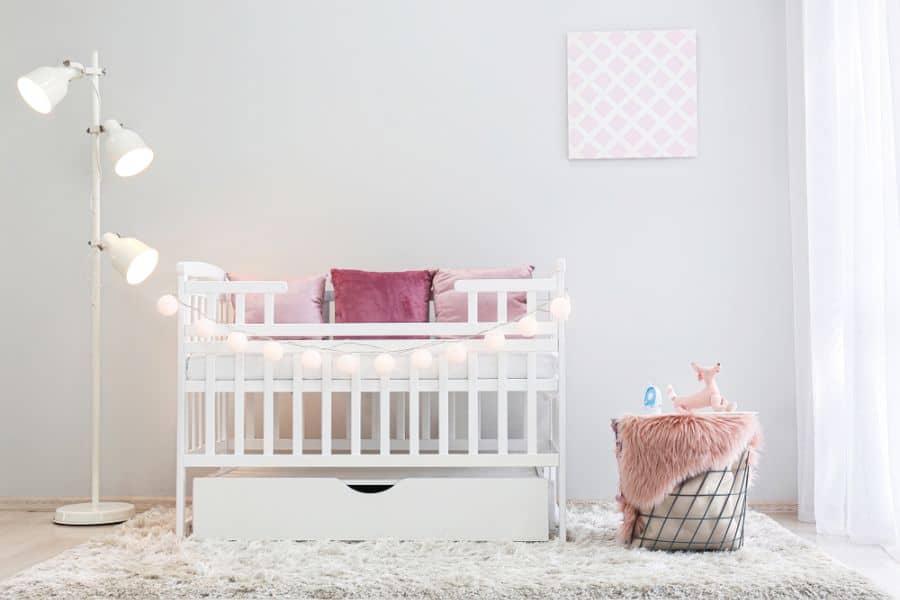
x=370 y=488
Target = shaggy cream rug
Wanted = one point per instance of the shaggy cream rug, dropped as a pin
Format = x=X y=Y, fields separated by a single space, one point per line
x=141 y=559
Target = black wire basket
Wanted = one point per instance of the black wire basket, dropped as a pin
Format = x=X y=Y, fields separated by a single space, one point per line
x=702 y=513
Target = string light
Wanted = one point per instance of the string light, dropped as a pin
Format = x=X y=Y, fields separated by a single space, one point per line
x=347 y=363
x=421 y=358
x=237 y=341
x=561 y=308
x=205 y=327
x=528 y=326
x=167 y=305
x=384 y=364
x=495 y=340
x=311 y=359
x=273 y=351
x=456 y=352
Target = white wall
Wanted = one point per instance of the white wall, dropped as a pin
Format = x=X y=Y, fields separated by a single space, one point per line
x=286 y=131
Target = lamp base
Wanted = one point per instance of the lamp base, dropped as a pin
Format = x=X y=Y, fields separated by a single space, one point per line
x=87 y=513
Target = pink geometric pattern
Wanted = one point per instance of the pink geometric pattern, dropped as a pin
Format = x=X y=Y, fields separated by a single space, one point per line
x=632 y=94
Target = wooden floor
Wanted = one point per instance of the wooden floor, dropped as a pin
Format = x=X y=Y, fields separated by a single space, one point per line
x=871 y=561
x=27 y=538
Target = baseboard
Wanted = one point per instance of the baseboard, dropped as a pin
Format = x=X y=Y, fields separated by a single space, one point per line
x=51 y=503
x=773 y=507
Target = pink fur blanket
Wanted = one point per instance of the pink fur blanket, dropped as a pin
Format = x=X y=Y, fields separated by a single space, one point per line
x=656 y=453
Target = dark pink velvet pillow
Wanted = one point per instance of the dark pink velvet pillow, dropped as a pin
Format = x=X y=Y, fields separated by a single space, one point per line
x=301 y=304
x=373 y=297
x=451 y=306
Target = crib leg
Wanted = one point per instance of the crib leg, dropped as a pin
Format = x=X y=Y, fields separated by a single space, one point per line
x=180 y=482
x=561 y=495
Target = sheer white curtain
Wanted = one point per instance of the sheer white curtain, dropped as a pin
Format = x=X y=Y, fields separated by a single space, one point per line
x=849 y=378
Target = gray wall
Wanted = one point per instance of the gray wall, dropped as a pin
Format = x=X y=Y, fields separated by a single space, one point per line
x=291 y=137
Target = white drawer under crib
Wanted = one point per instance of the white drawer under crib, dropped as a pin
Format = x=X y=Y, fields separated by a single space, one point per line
x=451 y=504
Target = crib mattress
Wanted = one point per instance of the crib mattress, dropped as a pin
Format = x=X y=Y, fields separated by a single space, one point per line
x=487 y=368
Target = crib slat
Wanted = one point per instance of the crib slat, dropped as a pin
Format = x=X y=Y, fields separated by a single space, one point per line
x=239 y=424
x=268 y=409
x=400 y=416
x=326 y=404
x=269 y=309
x=276 y=417
x=250 y=415
x=193 y=417
x=240 y=303
x=530 y=301
x=531 y=405
x=384 y=406
x=453 y=397
x=209 y=412
x=413 y=410
x=443 y=407
x=297 y=406
x=472 y=307
x=474 y=430
x=373 y=416
x=502 y=315
x=210 y=305
x=220 y=416
x=355 y=414
x=426 y=418
x=502 y=406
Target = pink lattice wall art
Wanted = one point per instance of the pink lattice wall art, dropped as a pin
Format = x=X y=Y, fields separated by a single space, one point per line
x=632 y=94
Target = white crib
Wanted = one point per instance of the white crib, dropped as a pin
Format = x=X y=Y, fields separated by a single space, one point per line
x=497 y=411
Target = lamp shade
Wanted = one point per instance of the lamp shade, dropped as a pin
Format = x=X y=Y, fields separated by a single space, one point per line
x=131 y=257
x=43 y=88
x=126 y=150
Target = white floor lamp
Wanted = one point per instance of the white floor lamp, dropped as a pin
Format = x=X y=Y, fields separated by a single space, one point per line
x=42 y=89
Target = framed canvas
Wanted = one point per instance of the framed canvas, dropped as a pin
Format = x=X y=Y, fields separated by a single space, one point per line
x=632 y=94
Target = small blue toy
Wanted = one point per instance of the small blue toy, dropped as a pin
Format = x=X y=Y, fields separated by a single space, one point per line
x=652 y=400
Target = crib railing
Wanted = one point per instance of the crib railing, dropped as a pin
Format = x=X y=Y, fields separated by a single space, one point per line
x=216 y=429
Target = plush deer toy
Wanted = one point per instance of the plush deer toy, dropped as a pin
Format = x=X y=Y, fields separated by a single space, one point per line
x=708 y=396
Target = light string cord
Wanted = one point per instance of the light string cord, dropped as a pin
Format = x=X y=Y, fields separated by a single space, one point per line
x=375 y=349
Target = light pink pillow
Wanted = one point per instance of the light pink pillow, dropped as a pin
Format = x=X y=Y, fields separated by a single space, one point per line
x=451 y=306
x=302 y=303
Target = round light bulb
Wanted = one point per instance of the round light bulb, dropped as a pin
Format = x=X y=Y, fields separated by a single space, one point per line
x=311 y=359
x=495 y=340
x=561 y=308
x=273 y=351
x=237 y=341
x=384 y=364
x=205 y=327
x=347 y=363
x=421 y=359
x=167 y=305
x=456 y=352
x=528 y=326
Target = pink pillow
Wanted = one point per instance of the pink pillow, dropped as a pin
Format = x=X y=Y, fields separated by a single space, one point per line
x=302 y=303
x=451 y=306
x=372 y=297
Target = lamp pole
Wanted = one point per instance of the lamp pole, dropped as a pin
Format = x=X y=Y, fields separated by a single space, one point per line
x=96 y=271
